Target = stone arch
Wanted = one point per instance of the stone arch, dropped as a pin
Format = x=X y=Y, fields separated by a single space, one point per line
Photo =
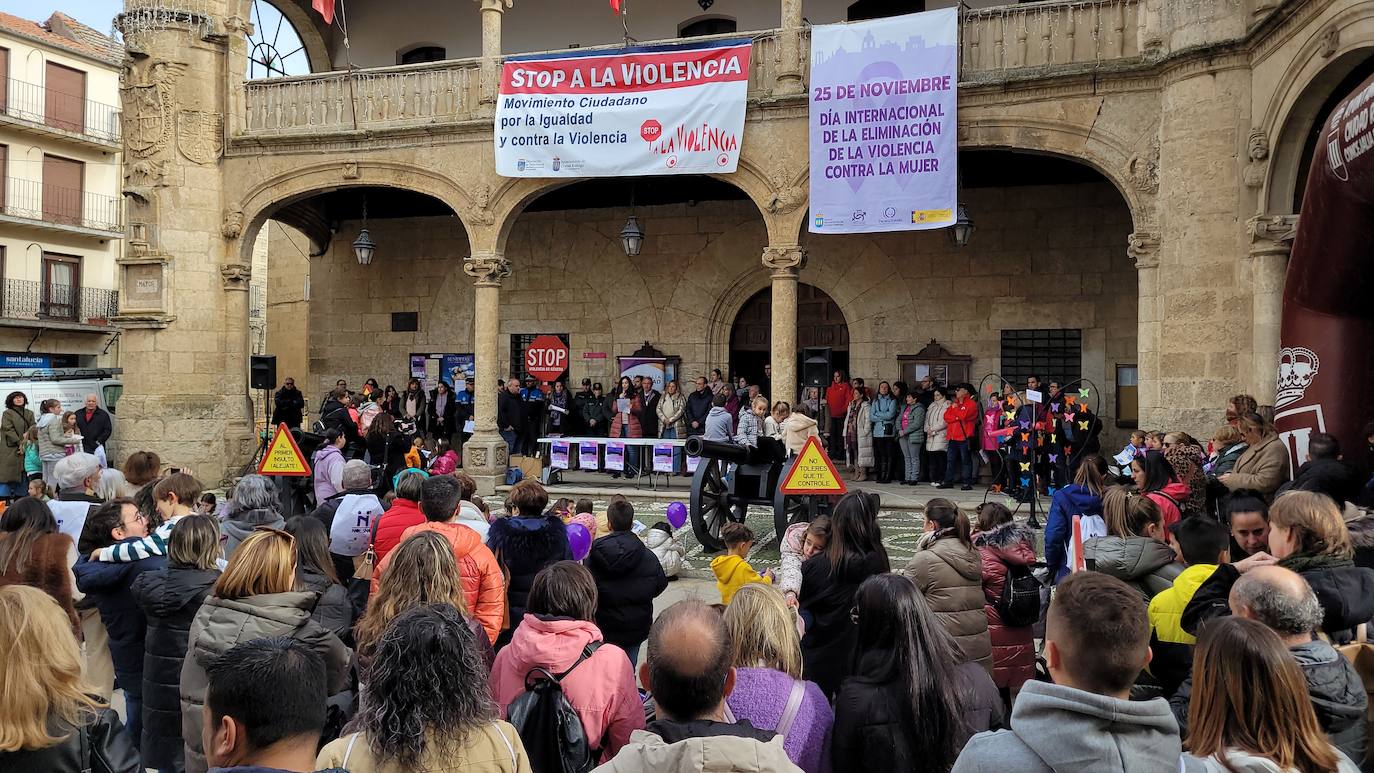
x=316 y=52
x=1108 y=154
x=1291 y=111
x=509 y=200
x=261 y=199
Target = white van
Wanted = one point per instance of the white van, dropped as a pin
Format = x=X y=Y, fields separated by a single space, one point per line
x=70 y=385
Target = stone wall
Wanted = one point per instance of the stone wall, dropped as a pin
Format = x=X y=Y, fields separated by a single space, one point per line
x=1042 y=257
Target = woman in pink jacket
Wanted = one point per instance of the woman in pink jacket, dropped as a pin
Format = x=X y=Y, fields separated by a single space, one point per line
x=556 y=632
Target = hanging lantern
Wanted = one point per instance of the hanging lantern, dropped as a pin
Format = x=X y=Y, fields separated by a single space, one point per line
x=632 y=237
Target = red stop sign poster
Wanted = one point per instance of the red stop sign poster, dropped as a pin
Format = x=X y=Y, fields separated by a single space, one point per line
x=547 y=358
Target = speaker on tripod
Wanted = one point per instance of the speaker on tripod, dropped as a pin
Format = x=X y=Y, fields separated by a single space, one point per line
x=262 y=371
x=816 y=366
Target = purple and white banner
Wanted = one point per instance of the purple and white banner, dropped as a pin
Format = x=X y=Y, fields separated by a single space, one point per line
x=883 y=139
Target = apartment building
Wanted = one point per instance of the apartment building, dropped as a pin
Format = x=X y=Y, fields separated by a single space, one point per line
x=61 y=209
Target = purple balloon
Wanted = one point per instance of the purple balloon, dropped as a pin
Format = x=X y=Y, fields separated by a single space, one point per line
x=579 y=540
x=677 y=515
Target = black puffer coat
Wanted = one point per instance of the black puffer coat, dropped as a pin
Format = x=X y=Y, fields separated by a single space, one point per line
x=170 y=599
x=828 y=596
x=628 y=579
x=334 y=612
x=524 y=545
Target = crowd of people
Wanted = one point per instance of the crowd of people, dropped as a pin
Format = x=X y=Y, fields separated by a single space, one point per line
x=1199 y=612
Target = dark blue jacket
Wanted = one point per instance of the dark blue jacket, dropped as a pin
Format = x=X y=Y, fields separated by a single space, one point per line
x=1069 y=501
x=107 y=585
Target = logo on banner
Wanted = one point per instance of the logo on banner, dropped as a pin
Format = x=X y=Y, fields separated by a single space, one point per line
x=1298 y=367
x=820 y=221
x=520 y=164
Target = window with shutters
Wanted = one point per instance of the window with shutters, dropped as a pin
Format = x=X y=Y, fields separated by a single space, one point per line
x=62 y=190
x=64 y=97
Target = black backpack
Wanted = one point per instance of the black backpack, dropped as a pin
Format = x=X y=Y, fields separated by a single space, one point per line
x=548 y=725
x=1019 y=605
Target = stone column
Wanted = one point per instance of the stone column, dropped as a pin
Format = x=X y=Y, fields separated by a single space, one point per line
x=491 y=48
x=485 y=454
x=785 y=262
x=789 y=74
x=1143 y=248
x=236 y=278
x=1271 y=240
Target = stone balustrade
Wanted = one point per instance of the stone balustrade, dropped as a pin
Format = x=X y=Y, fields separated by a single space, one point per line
x=998 y=44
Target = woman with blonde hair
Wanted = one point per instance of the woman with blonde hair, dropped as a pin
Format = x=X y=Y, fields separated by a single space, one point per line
x=1264 y=465
x=1133 y=549
x=422 y=571
x=769 y=691
x=48 y=720
x=1250 y=710
x=253 y=599
x=170 y=599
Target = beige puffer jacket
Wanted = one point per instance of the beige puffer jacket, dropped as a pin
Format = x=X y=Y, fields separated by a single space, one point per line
x=950 y=576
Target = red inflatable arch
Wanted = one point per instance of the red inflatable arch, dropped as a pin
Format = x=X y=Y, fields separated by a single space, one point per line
x=1326 y=360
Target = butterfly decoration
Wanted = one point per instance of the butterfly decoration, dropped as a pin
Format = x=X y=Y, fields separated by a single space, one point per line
x=1054 y=458
x=1025 y=424
x=1083 y=393
x=1025 y=437
x=1083 y=425
x=1054 y=407
x=1070 y=399
x=1025 y=466
x=1025 y=482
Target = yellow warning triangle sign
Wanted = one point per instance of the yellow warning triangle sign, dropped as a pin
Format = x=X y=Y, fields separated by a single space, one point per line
x=283 y=456
x=812 y=472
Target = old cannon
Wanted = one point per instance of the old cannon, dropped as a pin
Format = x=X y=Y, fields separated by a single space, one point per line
x=720 y=495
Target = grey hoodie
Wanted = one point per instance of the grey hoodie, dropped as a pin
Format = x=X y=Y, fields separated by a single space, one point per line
x=236 y=527
x=1063 y=730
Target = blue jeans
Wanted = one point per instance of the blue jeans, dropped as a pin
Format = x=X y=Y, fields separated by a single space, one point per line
x=132 y=684
x=671 y=434
x=512 y=439
x=959 y=452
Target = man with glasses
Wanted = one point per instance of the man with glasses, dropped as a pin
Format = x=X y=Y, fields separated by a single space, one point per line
x=106 y=585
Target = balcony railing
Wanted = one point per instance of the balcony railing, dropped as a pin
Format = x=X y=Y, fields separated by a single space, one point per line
x=432 y=93
x=50 y=204
x=1049 y=37
x=29 y=300
x=997 y=44
x=35 y=104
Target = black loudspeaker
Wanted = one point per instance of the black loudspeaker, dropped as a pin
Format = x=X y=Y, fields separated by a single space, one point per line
x=816 y=366
x=262 y=371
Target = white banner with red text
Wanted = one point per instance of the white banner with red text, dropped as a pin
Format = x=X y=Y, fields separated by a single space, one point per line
x=643 y=110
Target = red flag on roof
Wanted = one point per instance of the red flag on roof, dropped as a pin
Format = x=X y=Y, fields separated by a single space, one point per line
x=615 y=5
x=325 y=8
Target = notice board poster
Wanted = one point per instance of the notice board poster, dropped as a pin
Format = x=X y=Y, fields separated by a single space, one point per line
x=643 y=110
x=883 y=141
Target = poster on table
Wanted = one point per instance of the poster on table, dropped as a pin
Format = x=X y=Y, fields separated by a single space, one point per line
x=615 y=456
x=663 y=457
x=588 y=457
x=648 y=367
x=692 y=462
x=882 y=133
x=558 y=454
x=642 y=110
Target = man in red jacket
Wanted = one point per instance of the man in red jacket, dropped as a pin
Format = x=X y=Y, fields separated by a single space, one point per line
x=837 y=397
x=961 y=419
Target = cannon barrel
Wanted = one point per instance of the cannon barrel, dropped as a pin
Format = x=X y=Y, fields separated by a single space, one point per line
x=712 y=449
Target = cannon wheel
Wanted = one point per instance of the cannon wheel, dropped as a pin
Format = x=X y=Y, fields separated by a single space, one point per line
x=791 y=508
x=709 y=504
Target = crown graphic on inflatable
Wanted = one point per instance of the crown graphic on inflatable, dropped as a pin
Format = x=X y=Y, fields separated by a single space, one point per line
x=1297 y=368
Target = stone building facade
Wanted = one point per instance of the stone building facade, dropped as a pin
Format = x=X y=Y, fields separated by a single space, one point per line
x=1195 y=119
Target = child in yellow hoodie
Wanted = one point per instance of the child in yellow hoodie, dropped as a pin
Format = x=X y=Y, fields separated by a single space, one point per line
x=732 y=569
x=1200 y=544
